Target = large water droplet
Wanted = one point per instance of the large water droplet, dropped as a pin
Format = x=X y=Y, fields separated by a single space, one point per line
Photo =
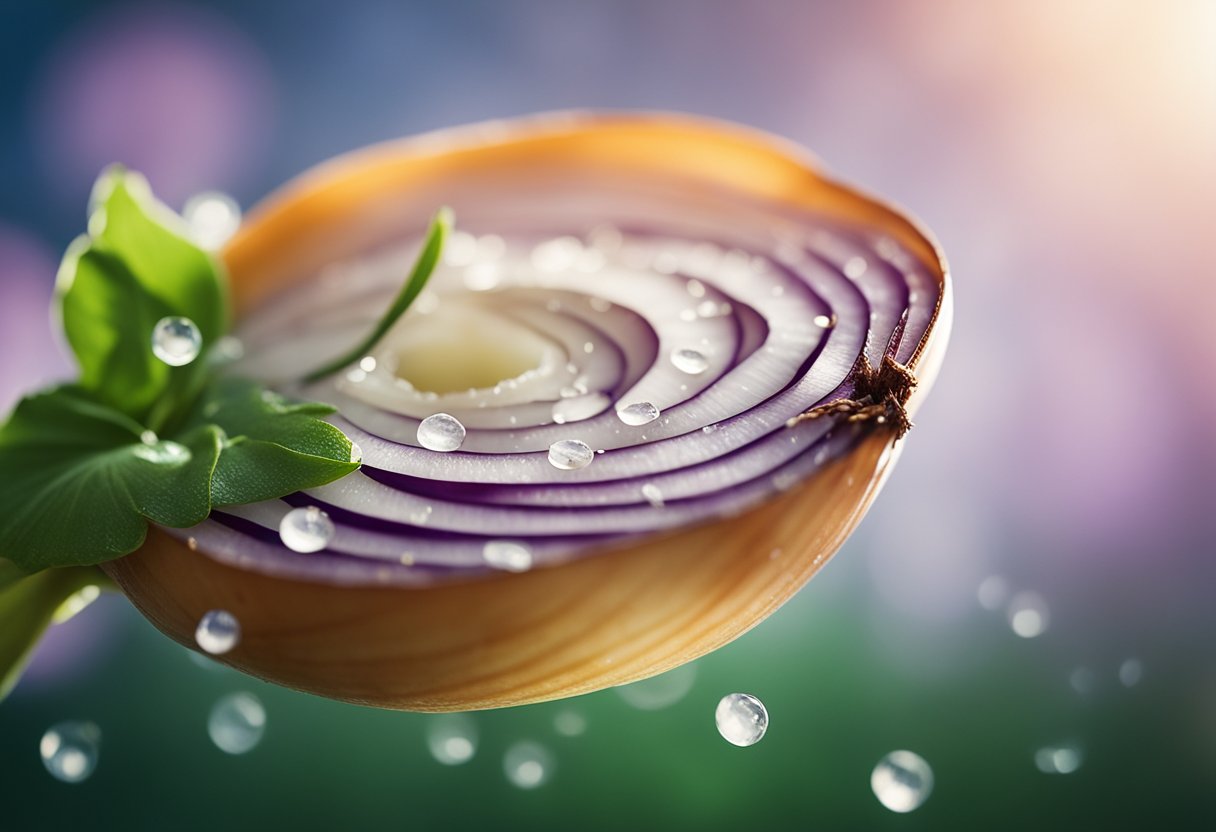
x=1028 y=614
x=638 y=413
x=689 y=361
x=902 y=781
x=306 y=529
x=441 y=432
x=652 y=494
x=742 y=719
x=237 y=723
x=527 y=764
x=176 y=340
x=213 y=217
x=569 y=454
x=218 y=632
x=660 y=691
x=507 y=555
x=452 y=738
x=70 y=750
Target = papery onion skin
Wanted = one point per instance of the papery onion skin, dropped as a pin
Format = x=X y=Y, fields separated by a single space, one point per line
x=563 y=630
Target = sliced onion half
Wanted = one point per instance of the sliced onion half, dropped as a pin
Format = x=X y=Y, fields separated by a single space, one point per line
x=676 y=296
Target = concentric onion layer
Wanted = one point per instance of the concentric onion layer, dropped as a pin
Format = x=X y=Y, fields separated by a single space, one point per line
x=727 y=316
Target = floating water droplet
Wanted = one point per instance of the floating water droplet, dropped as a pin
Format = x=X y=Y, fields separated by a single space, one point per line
x=742 y=719
x=452 y=738
x=652 y=494
x=213 y=217
x=1131 y=672
x=441 y=432
x=638 y=413
x=237 y=723
x=660 y=691
x=902 y=781
x=689 y=361
x=306 y=529
x=507 y=555
x=993 y=592
x=218 y=632
x=1058 y=760
x=570 y=454
x=176 y=340
x=1028 y=614
x=527 y=764
x=70 y=750
x=577 y=408
x=570 y=723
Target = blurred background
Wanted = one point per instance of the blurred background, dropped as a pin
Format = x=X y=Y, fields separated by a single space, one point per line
x=1029 y=606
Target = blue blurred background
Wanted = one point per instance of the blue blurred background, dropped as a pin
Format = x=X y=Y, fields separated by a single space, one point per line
x=1038 y=574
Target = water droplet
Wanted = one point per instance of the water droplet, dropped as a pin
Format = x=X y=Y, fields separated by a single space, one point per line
x=356 y=453
x=578 y=408
x=709 y=429
x=570 y=454
x=368 y=363
x=527 y=764
x=218 y=632
x=855 y=267
x=507 y=555
x=149 y=437
x=689 y=361
x=993 y=592
x=176 y=340
x=638 y=413
x=652 y=494
x=306 y=529
x=1058 y=760
x=237 y=723
x=452 y=738
x=441 y=432
x=213 y=217
x=1131 y=672
x=902 y=781
x=570 y=723
x=742 y=719
x=70 y=750
x=822 y=321
x=1028 y=614
x=695 y=288
x=660 y=691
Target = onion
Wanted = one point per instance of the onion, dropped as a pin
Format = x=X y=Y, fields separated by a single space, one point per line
x=774 y=321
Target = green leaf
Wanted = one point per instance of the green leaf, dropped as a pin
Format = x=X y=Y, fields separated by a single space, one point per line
x=108 y=320
x=424 y=266
x=274 y=447
x=27 y=605
x=81 y=483
x=153 y=242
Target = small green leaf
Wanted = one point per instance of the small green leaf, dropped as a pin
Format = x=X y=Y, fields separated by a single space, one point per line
x=81 y=483
x=274 y=447
x=108 y=320
x=153 y=242
x=424 y=266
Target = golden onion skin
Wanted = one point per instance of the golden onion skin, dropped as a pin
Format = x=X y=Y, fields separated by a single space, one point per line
x=595 y=622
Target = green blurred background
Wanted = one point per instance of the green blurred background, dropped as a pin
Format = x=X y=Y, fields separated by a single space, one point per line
x=1062 y=151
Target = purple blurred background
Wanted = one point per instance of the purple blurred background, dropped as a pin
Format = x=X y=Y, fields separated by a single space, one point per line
x=1063 y=152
